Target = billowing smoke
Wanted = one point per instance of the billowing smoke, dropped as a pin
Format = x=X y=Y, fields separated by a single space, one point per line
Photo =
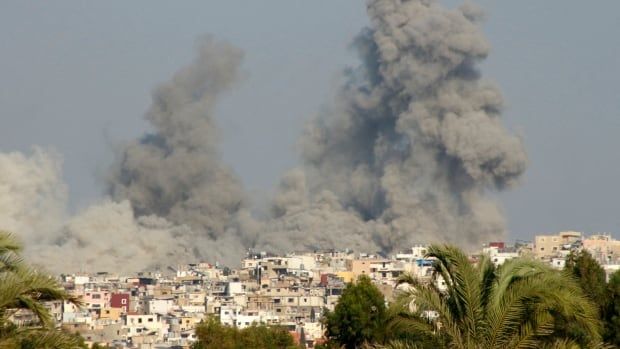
x=106 y=236
x=410 y=145
x=171 y=201
x=406 y=152
x=33 y=196
x=309 y=221
x=175 y=172
x=110 y=237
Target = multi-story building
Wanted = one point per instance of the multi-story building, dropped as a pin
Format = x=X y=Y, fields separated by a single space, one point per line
x=604 y=248
x=120 y=301
x=499 y=255
x=549 y=246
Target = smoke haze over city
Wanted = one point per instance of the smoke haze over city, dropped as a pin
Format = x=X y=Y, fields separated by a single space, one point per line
x=409 y=146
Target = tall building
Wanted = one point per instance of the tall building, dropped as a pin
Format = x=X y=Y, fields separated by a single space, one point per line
x=549 y=246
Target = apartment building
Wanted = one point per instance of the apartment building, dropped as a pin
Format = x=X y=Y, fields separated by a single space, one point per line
x=549 y=246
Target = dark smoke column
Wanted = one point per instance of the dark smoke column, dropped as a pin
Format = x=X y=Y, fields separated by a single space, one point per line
x=176 y=172
x=415 y=138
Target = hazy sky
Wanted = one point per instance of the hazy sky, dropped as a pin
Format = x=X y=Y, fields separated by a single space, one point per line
x=77 y=76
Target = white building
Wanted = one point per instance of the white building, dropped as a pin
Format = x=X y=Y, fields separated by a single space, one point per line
x=144 y=325
x=499 y=257
x=160 y=306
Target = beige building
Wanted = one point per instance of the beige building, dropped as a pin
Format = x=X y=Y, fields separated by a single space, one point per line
x=361 y=266
x=604 y=248
x=549 y=246
x=111 y=313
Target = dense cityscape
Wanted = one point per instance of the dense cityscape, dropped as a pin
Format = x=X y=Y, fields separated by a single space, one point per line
x=161 y=308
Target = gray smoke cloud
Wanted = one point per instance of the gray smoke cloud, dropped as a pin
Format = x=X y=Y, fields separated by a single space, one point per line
x=33 y=196
x=410 y=145
x=107 y=236
x=176 y=171
x=171 y=199
x=406 y=152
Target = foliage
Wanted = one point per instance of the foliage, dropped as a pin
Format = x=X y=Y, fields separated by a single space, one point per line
x=516 y=305
x=213 y=335
x=359 y=316
x=590 y=276
x=25 y=289
x=612 y=312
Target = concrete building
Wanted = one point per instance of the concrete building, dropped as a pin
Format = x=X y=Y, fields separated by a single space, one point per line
x=549 y=246
x=120 y=301
x=499 y=256
x=604 y=248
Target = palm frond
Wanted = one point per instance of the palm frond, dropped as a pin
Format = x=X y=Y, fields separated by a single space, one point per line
x=516 y=305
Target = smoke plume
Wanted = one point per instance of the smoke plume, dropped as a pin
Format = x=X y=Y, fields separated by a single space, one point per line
x=175 y=172
x=412 y=142
x=110 y=237
x=33 y=196
x=406 y=152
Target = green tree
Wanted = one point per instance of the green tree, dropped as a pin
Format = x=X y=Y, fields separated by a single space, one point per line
x=359 y=316
x=612 y=313
x=592 y=280
x=590 y=276
x=263 y=337
x=25 y=289
x=514 y=306
x=213 y=335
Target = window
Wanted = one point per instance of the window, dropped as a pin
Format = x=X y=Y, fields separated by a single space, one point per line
x=291 y=300
x=124 y=301
x=96 y=296
x=140 y=320
x=150 y=319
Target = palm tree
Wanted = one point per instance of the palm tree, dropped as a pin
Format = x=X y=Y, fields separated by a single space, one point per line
x=23 y=288
x=516 y=305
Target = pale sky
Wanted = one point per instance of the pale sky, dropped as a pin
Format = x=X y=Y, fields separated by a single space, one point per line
x=77 y=76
